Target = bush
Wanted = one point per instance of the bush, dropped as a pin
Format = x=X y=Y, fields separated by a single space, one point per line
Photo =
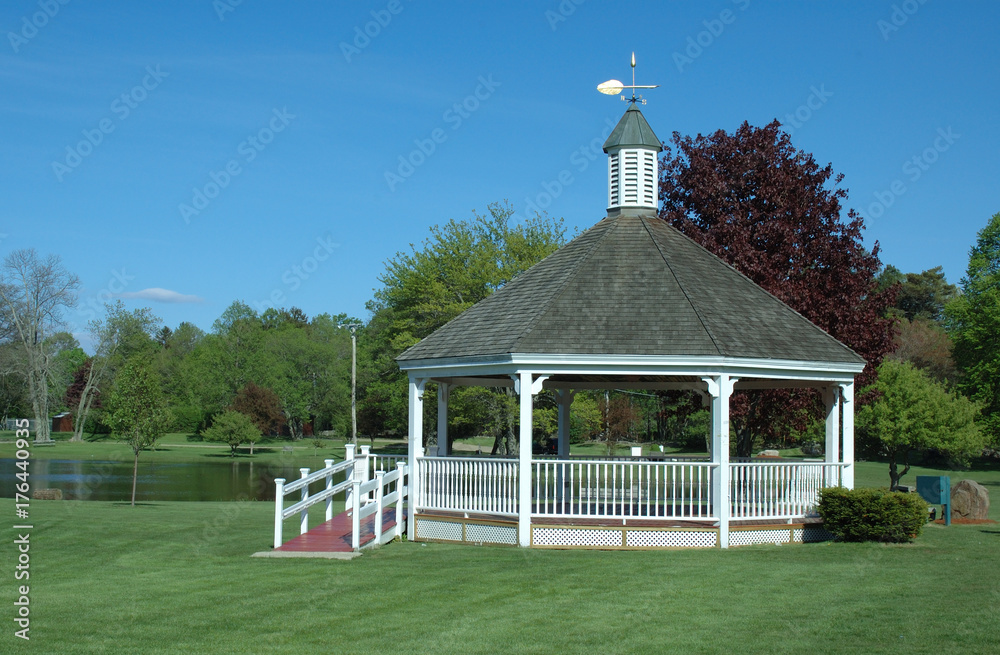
x=872 y=514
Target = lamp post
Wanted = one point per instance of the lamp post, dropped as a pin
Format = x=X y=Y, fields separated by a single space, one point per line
x=353 y=327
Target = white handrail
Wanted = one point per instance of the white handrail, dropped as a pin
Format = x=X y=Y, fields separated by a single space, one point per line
x=779 y=490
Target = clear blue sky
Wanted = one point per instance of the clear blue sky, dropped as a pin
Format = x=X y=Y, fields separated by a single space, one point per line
x=309 y=117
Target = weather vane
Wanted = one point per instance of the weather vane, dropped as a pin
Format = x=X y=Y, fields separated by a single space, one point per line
x=614 y=87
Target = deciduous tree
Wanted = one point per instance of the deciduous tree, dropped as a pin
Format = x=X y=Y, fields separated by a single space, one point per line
x=973 y=321
x=775 y=215
x=33 y=293
x=137 y=413
x=232 y=428
x=914 y=413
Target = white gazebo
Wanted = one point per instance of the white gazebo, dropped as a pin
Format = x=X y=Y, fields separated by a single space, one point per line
x=629 y=304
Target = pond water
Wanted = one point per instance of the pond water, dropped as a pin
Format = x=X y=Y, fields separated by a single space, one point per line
x=112 y=480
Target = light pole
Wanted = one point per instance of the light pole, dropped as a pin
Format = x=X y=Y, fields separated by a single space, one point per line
x=353 y=327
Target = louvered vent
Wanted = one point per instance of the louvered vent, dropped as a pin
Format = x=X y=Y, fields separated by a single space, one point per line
x=613 y=181
x=632 y=178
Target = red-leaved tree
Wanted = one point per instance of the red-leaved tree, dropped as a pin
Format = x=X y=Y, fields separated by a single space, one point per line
x=771 y=212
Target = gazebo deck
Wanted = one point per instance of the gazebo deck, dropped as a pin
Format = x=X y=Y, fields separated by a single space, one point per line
x=334 y=536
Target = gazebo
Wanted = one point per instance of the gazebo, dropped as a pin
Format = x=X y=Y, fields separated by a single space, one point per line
x=630 y=303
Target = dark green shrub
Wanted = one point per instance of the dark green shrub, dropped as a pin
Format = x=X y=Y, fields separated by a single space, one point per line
x=872 y=514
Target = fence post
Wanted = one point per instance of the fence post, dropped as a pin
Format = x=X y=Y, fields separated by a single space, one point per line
x=401 y=488
x=329 y=486
x=279 y=502
x=349 y=476
x=365 y=468
x=304 y=514
x=356 y=515
x=378 y=508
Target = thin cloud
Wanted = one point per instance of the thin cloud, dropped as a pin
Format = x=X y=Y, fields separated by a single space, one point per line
x=161 y=295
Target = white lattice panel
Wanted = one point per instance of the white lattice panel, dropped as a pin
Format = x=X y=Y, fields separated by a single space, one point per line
x=812 y=534
x=438 y=530
x=750 y=537
x=491 y=534
x=671 y=539
x=571 y=537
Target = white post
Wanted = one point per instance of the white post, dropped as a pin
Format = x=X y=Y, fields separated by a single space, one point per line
x=348 y=476
x=416 y=449
x=831 y=396
x=443 y=447
x=524 y=462
x=720 y=388
x=304 y=514
x=401 y=469
x=279 y=505
x=329 y=486
x=356 y=516
x=847 y=476
x=378 y=508
x=364 y=468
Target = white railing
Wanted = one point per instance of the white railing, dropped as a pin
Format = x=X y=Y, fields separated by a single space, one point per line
x=779 y=490
x=394 y=481
x=306 y=501
x=468 y=484
x=368 y=486
x=638 y=489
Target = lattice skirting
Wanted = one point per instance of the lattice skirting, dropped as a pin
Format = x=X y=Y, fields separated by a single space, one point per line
x=778 y=534
x=466 y=531
x=623 y=538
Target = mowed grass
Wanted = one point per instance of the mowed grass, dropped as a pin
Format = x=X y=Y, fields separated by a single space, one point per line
x=178 y=578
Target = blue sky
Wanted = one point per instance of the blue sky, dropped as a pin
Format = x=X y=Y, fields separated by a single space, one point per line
x=183 y=155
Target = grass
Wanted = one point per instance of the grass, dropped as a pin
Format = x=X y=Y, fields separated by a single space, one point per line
x=177 y=578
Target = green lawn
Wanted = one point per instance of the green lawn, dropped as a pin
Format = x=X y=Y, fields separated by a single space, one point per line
x=177 y=578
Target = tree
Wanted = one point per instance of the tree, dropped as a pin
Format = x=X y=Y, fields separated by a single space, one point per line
x=33 y=294
x=973 y=321
x=926 y=345
x=461 y=263
x=118 y=336
x=136 y=410
x=263 y=407
x=919 y=295
x=914 y=413
x=232 y=428
x=770 y=211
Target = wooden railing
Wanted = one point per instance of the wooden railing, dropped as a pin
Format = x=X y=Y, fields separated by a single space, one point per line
x=468 y=484
x=779 y=490
x=638 y=489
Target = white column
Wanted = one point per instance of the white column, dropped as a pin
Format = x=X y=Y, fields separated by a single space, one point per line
x=443 y=445
x=524 y=462
x=847 y=477
x=831 y=397
x=720 y=388
x=416 y=449
x=564 y=400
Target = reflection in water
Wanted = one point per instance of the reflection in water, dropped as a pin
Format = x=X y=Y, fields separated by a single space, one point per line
x=112 y=480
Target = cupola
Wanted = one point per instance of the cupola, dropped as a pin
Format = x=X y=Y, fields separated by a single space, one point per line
x=632 y=149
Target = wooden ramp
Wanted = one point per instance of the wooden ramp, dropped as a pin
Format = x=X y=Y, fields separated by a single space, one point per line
x=334 y=536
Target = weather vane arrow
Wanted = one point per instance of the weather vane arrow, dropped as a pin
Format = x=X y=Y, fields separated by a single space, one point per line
x=614 y=87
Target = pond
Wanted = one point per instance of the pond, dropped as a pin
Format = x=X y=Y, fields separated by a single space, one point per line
x=112 y=480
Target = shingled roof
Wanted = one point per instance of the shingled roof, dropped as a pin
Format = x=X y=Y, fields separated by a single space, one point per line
x=632 y=285
x=632 y=130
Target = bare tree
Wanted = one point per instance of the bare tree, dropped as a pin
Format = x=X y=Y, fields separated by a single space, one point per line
x=116 y=337
x=33 y=293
